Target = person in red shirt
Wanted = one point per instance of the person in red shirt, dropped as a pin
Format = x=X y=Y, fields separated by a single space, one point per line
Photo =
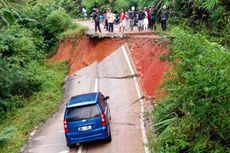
x=122 y=21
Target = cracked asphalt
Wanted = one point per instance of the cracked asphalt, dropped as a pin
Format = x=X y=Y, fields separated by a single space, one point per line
x=115 y=80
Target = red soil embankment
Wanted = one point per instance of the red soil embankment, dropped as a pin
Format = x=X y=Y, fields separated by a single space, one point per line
x=145 y=52
x=85 y=52
x=146 y=56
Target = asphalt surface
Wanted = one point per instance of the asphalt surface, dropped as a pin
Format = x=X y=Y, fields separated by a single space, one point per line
x=113 y=77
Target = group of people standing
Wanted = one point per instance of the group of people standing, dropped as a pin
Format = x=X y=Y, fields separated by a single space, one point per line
x=127 y=20
x=145 y=19
x=109 y=20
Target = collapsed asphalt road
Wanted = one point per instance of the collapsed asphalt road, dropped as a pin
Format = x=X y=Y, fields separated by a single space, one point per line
x=115 y=76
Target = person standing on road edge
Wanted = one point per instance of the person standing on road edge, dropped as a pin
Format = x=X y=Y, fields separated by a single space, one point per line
x=152 y=21
x=122 y=21
x=110 y=20
x=84 y=13
x=127 y=25
x=106 y=27
x=96 y=20
x=101 y=19
x=153 y=18
x=132 y=17
x=141 y=16
x=146 y=23
x=146 y=12
x=150 y=18
x=164 y=17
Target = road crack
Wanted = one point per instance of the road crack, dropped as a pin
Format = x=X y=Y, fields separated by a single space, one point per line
x=136 y=101
x=123 y=77
x=124 y=123
x=70 y=78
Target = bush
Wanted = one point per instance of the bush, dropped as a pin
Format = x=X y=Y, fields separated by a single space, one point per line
x=17 y=41
x=13 y=80
x=35 y=109
x=195 y=116
x=6 y=135
x=56 y=22
x=17 y=81
x=73 y=8
x=75 y=32
x=46 y=21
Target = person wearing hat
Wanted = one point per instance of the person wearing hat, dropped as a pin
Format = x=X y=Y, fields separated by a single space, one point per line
x=164 y=17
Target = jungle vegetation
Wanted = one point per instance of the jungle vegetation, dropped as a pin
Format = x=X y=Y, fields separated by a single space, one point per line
x=30 y=85
x=193 y=117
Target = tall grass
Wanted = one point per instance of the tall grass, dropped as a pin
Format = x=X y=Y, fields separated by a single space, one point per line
x=38 y=108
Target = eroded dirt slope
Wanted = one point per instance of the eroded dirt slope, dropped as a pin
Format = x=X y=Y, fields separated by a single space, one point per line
x=145 y=51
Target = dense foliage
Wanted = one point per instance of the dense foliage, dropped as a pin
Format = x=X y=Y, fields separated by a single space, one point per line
x=29 y=32
x=195 y=116
x=26 y=37
x=28 y=112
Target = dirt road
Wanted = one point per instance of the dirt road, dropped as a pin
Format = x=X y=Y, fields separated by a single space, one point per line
x=114 y=76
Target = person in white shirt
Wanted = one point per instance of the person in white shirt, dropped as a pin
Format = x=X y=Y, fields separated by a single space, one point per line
x=110 y=20
x=84 y=13
x=146 y=23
